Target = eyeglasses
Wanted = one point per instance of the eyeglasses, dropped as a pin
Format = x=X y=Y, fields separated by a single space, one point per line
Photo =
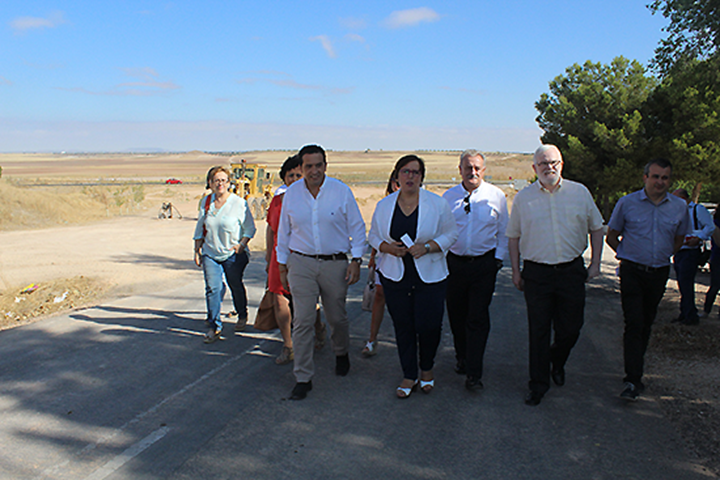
x=466 y=200
x=407 y=172
x=220 y=180
x=553 y=163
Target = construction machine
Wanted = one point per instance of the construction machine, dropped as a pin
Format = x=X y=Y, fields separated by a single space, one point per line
x=254 y=183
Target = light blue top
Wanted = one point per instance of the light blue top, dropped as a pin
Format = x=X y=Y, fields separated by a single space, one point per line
x=647 y=230
x=705 y=224
x=225 y=226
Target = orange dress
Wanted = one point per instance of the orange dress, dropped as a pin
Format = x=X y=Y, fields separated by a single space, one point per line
x=273 y=219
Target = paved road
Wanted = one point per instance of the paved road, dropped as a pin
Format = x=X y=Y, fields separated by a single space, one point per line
x=128 y=390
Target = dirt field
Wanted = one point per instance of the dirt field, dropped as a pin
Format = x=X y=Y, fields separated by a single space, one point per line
x=77 y=245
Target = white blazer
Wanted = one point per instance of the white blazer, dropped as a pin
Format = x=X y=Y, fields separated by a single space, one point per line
x=435 y=222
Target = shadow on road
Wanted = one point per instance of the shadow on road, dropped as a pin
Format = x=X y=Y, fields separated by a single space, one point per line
x=128 y=390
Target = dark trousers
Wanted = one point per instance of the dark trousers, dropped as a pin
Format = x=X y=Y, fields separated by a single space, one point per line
x=555 y=297
x=686 y=266
x=470 y=290
x=641 y=292
x=417 y=311
x=714 y=283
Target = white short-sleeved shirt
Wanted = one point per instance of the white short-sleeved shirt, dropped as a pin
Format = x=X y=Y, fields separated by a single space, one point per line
x=553 y=227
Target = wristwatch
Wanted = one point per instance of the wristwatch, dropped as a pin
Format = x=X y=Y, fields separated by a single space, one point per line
x=357 y=260
x=427 y=247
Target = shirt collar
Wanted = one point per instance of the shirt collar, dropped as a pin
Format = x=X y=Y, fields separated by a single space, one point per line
x=465 y=190
x=643 y=196
x=543 y=189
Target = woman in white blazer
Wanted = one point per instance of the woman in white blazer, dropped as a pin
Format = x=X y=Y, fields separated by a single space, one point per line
x=414 y=229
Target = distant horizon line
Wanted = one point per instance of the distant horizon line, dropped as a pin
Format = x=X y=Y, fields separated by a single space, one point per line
x=155 y=151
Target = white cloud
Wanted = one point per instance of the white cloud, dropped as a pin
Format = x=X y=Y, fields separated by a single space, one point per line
x=47 y=66
x=326 y=44
x=288 y=82
x=354 y=37
x=147 y=85
x=24 y=24
x=22 y=135
x=353 y=23
x=148 y=78
x=411 y=17
x=5 y=81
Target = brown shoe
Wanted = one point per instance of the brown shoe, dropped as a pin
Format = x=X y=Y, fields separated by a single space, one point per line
x=320 y=337
x=212 y=335
x=285 y=357
x=241 y=324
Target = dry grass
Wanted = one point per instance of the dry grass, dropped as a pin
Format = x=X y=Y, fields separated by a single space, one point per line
x=50 y=297
x=22 y=208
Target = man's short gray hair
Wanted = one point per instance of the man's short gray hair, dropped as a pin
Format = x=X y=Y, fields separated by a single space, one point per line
x=471 y=152
x=544 y=148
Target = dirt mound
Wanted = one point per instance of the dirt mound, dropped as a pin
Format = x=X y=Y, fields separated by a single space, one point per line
x=21 y=305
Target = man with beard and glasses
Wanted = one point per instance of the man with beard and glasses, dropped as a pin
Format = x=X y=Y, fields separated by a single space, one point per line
x=549 y=226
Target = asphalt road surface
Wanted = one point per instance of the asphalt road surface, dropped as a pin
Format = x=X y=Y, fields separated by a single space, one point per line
x=128 y=390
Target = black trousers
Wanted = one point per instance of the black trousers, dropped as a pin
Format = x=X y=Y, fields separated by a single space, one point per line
x=470 y=290
x=640 y=291
x=686 y=267
x=417 y=311
x=555 y=297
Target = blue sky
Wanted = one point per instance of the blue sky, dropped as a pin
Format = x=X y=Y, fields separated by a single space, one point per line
x=245 y=75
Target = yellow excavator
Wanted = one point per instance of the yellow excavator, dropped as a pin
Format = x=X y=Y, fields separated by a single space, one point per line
x=254 y=183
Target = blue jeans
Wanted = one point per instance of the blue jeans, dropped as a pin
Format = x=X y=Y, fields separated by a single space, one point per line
x=233 y=269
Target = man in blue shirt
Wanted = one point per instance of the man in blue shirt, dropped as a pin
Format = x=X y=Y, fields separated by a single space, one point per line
x=686 y=260
x=646 y=228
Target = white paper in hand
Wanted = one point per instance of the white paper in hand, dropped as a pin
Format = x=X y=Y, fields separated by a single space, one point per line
x=407 y=240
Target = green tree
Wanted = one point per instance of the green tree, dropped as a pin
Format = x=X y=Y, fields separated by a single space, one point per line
x=682 y=120
x=593 y=113
x=693 y=33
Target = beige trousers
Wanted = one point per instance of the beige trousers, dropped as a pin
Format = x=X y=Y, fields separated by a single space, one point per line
x=309 y=279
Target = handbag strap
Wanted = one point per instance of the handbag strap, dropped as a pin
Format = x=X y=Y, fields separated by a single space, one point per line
x=206 y=208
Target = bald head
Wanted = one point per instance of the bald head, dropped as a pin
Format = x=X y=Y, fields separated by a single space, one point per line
x=682 y=193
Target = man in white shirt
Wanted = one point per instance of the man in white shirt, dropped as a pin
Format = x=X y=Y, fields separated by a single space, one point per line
x=686 y=259
x=320 y=223
x=549 y=226
x=481 y=216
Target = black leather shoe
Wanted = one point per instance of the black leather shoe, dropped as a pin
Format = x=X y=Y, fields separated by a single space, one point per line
x=342 y=365
x=473 y=383
x=558 y=376
x=460 y=367
x=301 y=390
x=533 y=398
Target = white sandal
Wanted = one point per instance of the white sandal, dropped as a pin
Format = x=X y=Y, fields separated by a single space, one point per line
x=370 y=349
x=426 y=386
x=404 y=392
